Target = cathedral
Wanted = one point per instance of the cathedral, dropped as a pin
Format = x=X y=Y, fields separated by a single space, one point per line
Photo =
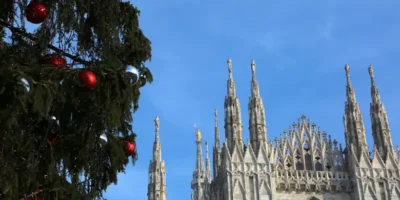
x=304 y=163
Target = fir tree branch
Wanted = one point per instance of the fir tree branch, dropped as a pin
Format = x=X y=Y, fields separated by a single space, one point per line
x=33 y=194
x=50 y=46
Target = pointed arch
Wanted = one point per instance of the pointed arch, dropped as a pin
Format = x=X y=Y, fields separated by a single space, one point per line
x=264 y=188
x=370 y=193
x=299 y=165
x=288 y=162
x=395 y=193
x=308 y=161
x=313 y=198
x=318 y=160
x=307 y=156
x=298 y=155
x=306 y=137
x=279 y=166
x=239 y=192
x=315 y=143
x=337 y=163
x=306 y=145
x=296 y=143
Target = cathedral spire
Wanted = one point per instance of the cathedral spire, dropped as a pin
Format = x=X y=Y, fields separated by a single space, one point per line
x=231 y=83
x=351 y=96
x=208 y=170
x=353 y=121
x=233 y=121
x=255 y=91
x=379 y=119
x=157 y=144
x=157 y=183
x=217 y=144
x=217 y=147
x=199 y=154
x=257 y=121
x=199 y=172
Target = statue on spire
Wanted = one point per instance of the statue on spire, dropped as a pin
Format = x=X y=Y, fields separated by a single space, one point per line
x=157 y=123
x=230 y=65
x=347 y=69
x=371 y=71
x=207 y=149
x=253 y=66
x=198 y=134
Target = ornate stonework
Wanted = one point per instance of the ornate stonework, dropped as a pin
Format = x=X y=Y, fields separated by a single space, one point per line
x=157 y=189
x=304 y=163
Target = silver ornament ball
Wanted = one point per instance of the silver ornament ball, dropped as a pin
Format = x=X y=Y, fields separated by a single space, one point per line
x=131 y=75
x=26 y=84
x=103 y=137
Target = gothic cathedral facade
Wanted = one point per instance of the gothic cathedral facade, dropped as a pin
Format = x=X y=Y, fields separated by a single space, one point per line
x=304 y=163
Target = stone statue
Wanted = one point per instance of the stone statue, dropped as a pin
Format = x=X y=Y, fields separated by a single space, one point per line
x=198 y=135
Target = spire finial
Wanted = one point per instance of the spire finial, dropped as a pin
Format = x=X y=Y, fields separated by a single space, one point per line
x=371 y=71
x=206 y=148
x=253 y=67
x=347 y=69
x=371 y=74
x=216 y=113
x=157 y=124
x=198 y=134
x=230 y=65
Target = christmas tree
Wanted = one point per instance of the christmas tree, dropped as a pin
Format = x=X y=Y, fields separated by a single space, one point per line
x=67 y=93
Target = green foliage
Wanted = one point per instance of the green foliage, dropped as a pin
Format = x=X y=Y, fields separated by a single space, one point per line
x=100 y=35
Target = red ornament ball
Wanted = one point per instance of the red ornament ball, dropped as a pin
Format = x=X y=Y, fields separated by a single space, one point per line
x=88 y=79
x=129 y=148
x=36 y=12
x=54 y=60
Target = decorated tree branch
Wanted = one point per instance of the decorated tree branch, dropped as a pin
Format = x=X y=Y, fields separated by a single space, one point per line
x=67 y=93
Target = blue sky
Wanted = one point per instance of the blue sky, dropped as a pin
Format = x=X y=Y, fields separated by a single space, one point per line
x=300 y=48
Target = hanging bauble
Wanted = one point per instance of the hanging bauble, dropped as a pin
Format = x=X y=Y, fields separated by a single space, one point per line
x=54 y=60
x=36 y=12
x=131 y=75
x=129 y=148
x=103 y=137
x=142 y=80
x=88 y=79
x=54 y=120
x=26 y=84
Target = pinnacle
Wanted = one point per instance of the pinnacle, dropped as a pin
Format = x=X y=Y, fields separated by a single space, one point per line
x=371 y=71
x=347 y=69
x=253 y=67
x=157 y=123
